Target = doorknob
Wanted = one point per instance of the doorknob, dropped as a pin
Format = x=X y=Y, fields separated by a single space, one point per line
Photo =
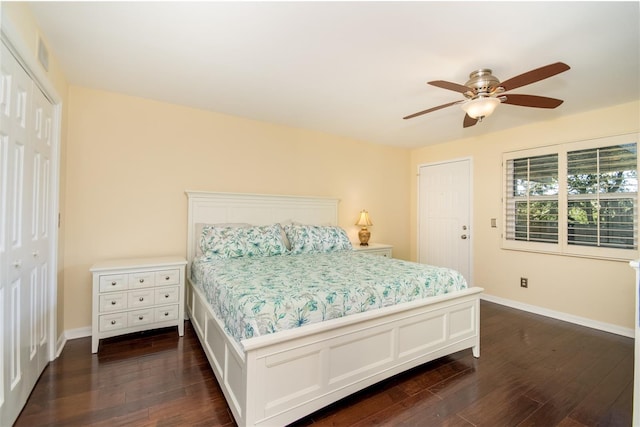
x=463 y=237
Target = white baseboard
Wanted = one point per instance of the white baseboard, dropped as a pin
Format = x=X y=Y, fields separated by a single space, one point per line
x=62 y=340
x=71 y=334
x=582 y=321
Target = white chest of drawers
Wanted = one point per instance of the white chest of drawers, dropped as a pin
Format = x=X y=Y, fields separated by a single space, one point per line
x=132 y=295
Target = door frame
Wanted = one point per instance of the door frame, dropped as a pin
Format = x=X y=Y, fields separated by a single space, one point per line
x=471 y=233
x=11 y=38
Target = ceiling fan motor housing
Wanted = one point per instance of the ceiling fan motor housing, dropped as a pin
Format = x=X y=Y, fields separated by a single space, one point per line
x=483 y=84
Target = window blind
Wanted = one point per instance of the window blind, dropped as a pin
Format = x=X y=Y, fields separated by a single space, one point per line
x=602 y=188
x=532 y=190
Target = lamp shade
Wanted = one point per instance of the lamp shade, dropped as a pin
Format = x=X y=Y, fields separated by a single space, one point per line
x=364 y=220
x=480 y=107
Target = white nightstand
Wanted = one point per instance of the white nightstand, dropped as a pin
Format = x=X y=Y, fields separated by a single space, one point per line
x=375 y=249
x=132 y=295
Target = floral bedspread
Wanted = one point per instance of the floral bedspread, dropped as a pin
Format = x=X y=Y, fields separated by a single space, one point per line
x=260 y=295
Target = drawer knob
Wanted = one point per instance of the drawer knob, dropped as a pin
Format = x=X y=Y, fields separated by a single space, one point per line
x=140 y=317
x=113 y=322
x=167 y=278
x=141 y=299
x=141 y=280
x=166 y=295
x=113 y=283
x=113 y=303
x=166 y=313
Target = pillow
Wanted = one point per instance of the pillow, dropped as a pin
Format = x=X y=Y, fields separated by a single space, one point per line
x=265 y=241
x=200 y=226
x=233 y=242
x=223 y=242
x=316 y=238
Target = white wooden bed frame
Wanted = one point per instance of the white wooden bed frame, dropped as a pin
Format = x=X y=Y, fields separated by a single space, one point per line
x=276 y=379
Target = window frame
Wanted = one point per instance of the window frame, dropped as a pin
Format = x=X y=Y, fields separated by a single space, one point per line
x=563 y=247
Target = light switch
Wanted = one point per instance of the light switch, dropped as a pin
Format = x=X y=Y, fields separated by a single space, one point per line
x=494 y=223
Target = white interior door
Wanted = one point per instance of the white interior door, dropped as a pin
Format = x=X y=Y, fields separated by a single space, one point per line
x=26 y=179
x=444 y=215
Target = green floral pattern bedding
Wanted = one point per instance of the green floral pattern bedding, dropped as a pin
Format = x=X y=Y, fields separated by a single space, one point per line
x=255 y=296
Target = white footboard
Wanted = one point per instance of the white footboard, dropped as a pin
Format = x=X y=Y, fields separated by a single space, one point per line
x=279 y=378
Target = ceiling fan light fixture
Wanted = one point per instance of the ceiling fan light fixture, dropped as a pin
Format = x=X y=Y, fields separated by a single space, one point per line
x=480 y=107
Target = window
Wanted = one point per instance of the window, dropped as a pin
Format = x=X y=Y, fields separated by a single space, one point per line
x=532 y=204
x=573 y=199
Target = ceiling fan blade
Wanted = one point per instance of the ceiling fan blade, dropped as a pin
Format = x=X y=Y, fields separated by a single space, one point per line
x=469 y=121
x=532 y=101
x=439 y=107
x=534 y=75
x=450 y=86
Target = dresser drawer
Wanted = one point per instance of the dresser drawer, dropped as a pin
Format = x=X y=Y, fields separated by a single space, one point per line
x=140 y=298
x=167 y=295
x=142 y=280
x=113 y=301
x=381 y=252
x=140 y=317
x=169 y=312
x=112 y=322
x=168 y=277
x=113 y=282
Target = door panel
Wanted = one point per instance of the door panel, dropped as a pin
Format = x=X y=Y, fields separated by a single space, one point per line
x=444 y=217
x=39 y=252
x=25 y=186
x=16 y=88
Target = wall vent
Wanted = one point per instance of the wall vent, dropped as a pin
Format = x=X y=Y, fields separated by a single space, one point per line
x=43 y=55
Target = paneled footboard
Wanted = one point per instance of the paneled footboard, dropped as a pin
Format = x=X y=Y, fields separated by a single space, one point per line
x=279 y=378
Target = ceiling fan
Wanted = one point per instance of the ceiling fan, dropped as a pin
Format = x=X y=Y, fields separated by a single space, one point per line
x=483 y=92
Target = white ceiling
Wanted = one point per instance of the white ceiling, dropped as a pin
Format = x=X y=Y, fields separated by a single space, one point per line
x=348 y=68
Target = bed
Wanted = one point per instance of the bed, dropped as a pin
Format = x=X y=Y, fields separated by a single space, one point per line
x=279 y=376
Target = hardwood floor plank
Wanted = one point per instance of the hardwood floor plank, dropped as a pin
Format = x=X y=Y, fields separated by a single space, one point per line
x=568 y=422
x=564 y=397
x=138 y=418
x=533 y=371
x=186 y=411
x=418 y=406
x=361 y=405
x=434 y=373
x=597 y=404
x=620 y=408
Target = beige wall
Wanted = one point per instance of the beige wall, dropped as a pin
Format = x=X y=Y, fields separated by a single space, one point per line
x=590 y=288
x=129 y=161
x=18 y=23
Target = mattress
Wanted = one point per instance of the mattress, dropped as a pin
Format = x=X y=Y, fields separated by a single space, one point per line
x=254 y=296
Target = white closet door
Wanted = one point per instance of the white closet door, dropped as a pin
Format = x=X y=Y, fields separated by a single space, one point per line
x=40 y=236
x=25 y=186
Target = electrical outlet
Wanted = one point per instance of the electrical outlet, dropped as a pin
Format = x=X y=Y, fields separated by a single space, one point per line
x=524 y=282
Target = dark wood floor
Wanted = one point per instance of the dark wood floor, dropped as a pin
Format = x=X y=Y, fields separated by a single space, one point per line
x=533 y=371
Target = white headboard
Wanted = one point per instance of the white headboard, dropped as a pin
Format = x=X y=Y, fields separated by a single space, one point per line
x=255 y=209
